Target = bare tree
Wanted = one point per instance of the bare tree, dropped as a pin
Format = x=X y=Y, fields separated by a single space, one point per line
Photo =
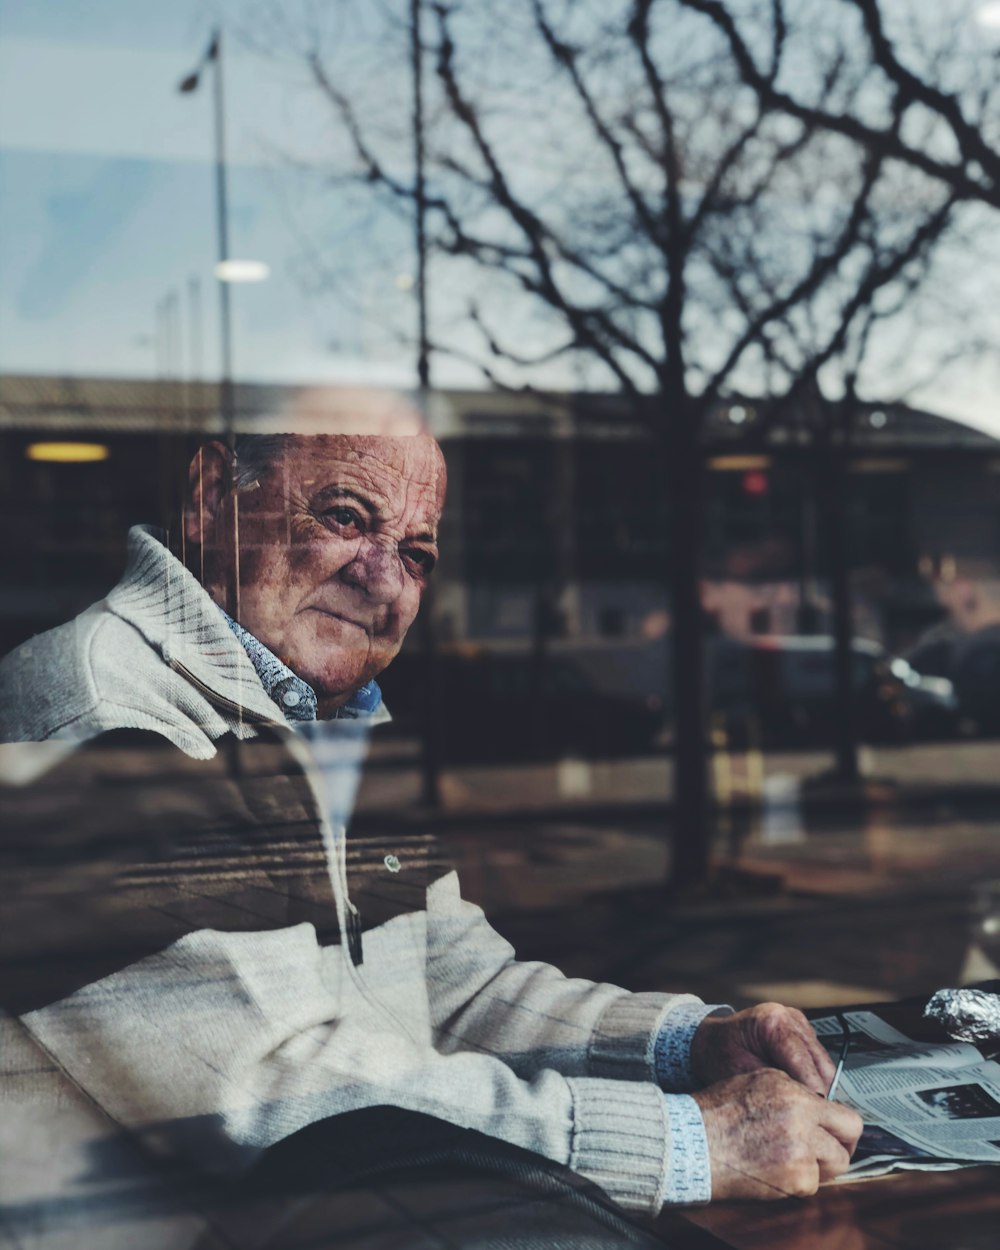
x=934 y=112
x=633 y=182
x=935 y=74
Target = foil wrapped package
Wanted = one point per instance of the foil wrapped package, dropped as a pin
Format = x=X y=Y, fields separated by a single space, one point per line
x=967 y=1015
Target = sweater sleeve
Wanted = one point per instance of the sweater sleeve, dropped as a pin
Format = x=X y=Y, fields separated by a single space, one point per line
x=484 y=1000
x=225 y=1043
x=672 y=1049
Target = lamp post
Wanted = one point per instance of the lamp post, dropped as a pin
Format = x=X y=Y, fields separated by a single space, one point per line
x=212 y=56
x=419 y=197
x=430 y=753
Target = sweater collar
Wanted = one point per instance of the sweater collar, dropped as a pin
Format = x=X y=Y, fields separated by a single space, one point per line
x=175 y=614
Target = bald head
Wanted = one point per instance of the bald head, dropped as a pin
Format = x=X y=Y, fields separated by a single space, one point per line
x=323 y=412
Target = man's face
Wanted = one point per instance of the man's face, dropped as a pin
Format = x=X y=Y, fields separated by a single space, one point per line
x=336 y=546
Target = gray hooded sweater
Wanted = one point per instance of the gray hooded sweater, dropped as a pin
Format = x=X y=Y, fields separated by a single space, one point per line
x=228 y=1038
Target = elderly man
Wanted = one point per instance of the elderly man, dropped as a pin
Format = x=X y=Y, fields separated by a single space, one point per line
x=269 y=973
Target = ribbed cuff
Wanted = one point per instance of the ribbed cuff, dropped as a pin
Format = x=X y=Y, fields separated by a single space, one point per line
x=672 y=1048
x=689 y=1166
x=620 y=1134
x=624 y=1039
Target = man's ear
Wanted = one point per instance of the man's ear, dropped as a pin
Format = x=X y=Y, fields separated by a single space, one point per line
x=209 y=481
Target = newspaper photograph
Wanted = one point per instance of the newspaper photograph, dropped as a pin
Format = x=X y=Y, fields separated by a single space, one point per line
x=925 y=1106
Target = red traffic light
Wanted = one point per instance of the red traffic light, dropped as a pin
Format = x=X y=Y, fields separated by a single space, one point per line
x=755 y=483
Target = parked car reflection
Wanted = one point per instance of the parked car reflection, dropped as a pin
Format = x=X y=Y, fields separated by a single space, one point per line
x=506 y=705
x=787 y=687
x=971 y=662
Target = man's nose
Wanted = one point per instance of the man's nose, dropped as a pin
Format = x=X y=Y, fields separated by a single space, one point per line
x=377 y=570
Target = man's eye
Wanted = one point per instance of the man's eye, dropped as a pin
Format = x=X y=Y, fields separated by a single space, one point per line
x=343 y=516
x=420 y=560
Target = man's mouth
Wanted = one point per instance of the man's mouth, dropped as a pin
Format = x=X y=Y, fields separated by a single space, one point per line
x=345 y=620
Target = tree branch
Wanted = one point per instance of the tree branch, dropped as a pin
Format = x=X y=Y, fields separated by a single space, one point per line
x=824 y=264
x=566 y=57
x=968 y=137
x=588 y=325
x=880 y=275
x=891 y=143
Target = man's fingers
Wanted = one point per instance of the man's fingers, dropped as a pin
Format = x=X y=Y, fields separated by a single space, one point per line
x=792 y=1046
x=831 y=1156
x=842 y=1123
x=819 y=1061
x=803 y=1063
x=824 y=1064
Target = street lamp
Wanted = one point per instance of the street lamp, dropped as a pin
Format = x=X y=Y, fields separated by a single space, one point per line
x=227 y=270
x=233 y=270
x=988 y=14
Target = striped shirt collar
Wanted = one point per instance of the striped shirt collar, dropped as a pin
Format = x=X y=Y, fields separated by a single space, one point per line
x=295 y=697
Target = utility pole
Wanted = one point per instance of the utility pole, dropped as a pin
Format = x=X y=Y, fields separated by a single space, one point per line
x=430 y=753
x=212 y=56
x=420 y=197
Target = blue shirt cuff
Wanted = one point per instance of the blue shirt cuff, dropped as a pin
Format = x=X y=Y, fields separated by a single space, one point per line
x=672 y=1048
x=689 y=1167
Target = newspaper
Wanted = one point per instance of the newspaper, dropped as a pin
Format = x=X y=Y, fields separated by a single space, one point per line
x=926 y=1106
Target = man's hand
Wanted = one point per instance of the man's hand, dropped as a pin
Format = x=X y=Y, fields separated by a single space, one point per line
x=770 y=1137
x=768 y=1036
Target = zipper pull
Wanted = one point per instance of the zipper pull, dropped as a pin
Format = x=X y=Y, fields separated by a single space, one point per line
x=354 y=937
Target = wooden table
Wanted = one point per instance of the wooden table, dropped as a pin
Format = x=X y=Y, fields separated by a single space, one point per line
x=906 y=1210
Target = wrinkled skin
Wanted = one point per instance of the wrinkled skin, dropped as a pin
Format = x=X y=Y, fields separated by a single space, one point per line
x=770 y=1137
x=765 y=1036
x=771 y=1132
x=335 y=548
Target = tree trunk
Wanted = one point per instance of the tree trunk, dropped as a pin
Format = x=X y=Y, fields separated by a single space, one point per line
x=684 y=478
x=845 y=740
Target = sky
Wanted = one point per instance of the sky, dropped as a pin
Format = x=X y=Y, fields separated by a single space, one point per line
x=107 y=211
x=107 y=203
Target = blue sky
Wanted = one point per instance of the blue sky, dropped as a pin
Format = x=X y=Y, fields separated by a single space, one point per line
x=137 y=23
x=107 y=200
